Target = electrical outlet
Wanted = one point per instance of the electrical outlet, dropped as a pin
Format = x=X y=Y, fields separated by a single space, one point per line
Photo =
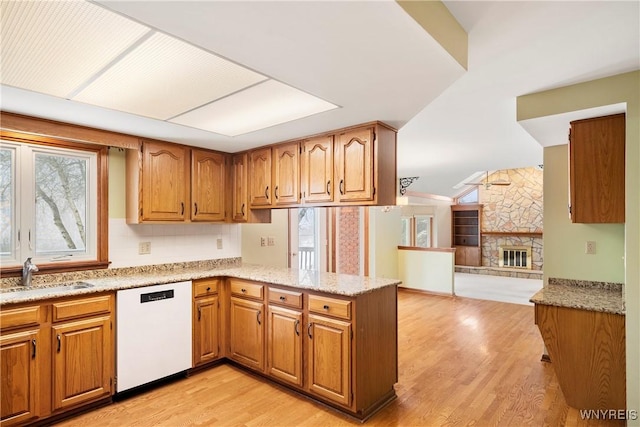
x=271 y=241
x=590 y=247
x=219 y=243
x=144 y=248
x=263 y=241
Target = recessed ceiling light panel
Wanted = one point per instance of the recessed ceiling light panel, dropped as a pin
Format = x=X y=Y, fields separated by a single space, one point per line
x=258 y=107
x=164 y=77
x=55 y=46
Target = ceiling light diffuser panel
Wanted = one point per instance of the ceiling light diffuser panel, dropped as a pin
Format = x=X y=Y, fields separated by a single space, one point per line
x=53 y=47
x=163 y=77
x=267 y=104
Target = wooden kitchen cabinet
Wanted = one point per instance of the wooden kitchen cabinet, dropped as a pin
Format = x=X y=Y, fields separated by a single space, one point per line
x=286 y=174
x=23 y=363
x=317 y=182
x=597 y=169
x=83 y=351
x=246 y=323
x=284 y=337
x=260 y=188
x=208 y=185
x=240 y=209
x=206 y=321
x=329 y=358
x=56 y=356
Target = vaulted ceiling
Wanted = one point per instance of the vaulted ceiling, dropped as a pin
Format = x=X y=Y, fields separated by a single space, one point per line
x=359 y=61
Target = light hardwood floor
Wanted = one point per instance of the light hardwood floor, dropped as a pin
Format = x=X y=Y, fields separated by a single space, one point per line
x=462 y=362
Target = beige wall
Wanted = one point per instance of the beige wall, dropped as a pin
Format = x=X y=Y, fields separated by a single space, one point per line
x=274 y=256
x=117 y=186
x=384 y=238
x=606 y=91
x=441 y=212
x=426 y=270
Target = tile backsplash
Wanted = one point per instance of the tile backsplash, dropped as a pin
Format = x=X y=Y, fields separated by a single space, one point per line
x=170 y=243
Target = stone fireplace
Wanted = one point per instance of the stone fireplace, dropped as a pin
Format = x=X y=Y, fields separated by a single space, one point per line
x=514 y=257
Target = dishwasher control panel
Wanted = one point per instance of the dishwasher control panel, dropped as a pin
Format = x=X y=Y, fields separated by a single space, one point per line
x=156 y=296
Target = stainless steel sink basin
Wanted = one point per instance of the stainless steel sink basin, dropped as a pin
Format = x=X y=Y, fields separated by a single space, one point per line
x=34 y=291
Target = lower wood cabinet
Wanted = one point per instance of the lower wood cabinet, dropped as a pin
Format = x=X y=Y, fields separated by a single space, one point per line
x=284 y=345
x=82 y=361
x=20 y=364
x=329 y=359
x=246 y=332
x=56 y=355
x=206 y=321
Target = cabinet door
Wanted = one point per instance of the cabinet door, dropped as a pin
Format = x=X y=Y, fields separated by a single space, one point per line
x=208 y=183
x=240 y=188
x=286 y=174
x=317 y=164
x=20 y=377
x=597 y=170
x=164 y=183
x=82 y=361
x=284 y=345
x=329 y=359
x=246 y=332
x=206 y=330
x=260 y=177
x=354 y=165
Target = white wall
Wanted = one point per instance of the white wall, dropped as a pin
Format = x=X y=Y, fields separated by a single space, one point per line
x=426 y=270
x=274 y=256
x=384 y=237
x=441 y=212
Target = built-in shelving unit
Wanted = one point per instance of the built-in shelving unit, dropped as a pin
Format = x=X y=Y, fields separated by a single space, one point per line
x=465 y=233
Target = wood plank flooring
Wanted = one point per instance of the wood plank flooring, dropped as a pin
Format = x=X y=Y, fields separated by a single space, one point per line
x=462 y=362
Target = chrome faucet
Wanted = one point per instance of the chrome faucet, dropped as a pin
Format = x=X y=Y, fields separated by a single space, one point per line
x=27 y=270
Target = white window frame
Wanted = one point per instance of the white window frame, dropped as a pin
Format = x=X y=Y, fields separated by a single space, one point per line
x=413 y=229
x=24 y=223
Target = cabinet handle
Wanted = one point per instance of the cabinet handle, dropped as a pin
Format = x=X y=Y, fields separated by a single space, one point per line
x=242 y=210
x=295 y=327
x=59 y=339
x=329 y=187
x=276 y=192
x=243 y=290
x=309 y=330
x=196 y=206
x=266 y=192
x=282 y=298
x=33 y=345
x=258 y=317
x=199 y=313
x=341 y=186
x=208 y=288
x=182 y=205
x=326 y=307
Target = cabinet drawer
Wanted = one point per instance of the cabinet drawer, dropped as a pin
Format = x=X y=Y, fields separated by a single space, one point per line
x=286 y=298
x=81 y=307
x=247 y=289
x=20 y=317
x=331 y=306
x=205 y=287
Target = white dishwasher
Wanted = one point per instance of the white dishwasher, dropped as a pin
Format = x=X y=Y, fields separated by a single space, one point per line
x=153 y=338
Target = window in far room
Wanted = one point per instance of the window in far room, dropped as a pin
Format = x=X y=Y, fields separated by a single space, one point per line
x=470 y=196
x=417 y=230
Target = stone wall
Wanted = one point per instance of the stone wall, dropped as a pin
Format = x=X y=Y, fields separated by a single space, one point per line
x=513 y=208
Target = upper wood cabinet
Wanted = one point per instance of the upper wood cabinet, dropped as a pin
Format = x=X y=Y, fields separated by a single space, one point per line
x=240 y=209
x=260 y=177
x=597 y=170
x=317 y=170
x=208 y=185
x=354 y=165
x=171 y=183
x=164 y=183
x=286 y=174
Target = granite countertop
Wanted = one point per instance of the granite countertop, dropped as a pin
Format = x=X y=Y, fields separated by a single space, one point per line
x=586 y=295
x=339 y=284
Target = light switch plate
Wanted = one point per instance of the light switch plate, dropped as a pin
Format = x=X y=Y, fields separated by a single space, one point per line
x=590 y=247
x=271 y=241
x=219 y=243
x=263 y=241
x=144 y=248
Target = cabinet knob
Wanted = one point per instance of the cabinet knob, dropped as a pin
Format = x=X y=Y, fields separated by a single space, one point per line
x=243 y=290
x=282 y=298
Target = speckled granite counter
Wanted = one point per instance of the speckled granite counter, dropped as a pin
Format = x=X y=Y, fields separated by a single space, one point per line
x=594 y=296
x=332 y=283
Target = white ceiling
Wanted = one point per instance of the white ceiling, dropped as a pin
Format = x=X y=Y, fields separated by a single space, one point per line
x=376 y=63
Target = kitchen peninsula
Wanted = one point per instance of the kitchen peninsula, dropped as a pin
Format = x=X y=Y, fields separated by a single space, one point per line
x=331 y=337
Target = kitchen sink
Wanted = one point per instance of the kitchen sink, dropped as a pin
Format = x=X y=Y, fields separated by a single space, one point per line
x=36 y=291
